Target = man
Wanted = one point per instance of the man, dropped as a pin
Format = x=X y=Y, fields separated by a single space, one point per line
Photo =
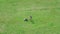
x=30 y=17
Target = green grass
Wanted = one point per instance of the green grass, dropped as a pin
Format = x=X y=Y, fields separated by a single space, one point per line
x=45 y=13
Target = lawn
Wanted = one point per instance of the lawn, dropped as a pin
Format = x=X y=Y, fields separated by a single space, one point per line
x=45 y=13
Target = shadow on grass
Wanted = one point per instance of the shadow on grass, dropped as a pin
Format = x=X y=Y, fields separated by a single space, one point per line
x=32 y=21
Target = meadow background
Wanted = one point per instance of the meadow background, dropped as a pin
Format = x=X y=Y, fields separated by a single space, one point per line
x=45 y=13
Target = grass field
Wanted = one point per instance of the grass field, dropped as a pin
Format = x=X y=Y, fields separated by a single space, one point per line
x=45 y=13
